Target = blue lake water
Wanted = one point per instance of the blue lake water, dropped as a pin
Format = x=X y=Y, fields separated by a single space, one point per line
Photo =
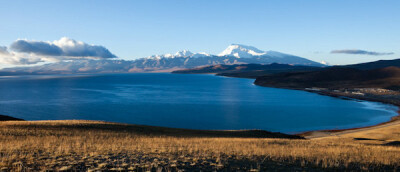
x=182 y=101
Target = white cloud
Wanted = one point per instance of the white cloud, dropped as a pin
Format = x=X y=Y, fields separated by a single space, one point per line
x=361 y=52
x=31 y=52
x=7 y=57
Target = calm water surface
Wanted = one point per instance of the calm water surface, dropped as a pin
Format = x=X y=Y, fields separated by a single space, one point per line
x=182 y=101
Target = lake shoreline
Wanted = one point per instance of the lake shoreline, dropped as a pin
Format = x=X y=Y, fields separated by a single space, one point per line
x=336 y=95
x=332 y=94
x=327 y=132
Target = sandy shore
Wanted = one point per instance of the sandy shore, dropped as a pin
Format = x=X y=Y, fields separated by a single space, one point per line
x=339 y=133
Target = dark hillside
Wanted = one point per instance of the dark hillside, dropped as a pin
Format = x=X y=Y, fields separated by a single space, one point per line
x=375 y=65
x=335 y=78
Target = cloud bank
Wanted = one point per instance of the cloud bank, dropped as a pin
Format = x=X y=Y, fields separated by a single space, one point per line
x=25 y=52
x=361 y=52
x=7 y=57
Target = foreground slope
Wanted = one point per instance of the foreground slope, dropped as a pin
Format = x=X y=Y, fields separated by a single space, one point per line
x=91 y=145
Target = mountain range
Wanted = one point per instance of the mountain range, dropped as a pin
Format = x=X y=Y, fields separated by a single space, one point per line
x=234 y=54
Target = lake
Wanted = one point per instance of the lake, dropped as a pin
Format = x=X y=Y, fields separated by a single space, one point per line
x=182 y=101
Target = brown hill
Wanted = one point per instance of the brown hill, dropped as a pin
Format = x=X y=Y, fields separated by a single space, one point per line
x=375 y=64
x=335 y=78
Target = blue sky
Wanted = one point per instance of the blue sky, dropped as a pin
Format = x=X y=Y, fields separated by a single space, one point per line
x=134 y=29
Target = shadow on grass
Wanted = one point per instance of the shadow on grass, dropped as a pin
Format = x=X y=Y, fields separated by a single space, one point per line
x=158 y=131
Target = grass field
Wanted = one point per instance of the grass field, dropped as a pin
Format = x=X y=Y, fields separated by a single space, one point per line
x=92 y=145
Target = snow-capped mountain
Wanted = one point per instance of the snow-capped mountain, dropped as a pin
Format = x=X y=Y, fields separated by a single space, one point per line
x=244 y=51
x=241 y=51
x=183 y=53
x=234 y=54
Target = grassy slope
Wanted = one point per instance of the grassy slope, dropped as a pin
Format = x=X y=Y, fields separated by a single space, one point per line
x=83 y=145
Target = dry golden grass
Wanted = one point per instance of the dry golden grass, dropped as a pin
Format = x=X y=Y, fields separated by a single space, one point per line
x=91 y=145
x=385 y=133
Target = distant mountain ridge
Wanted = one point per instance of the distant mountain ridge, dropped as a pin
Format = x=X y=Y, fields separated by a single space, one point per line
x=234 y=54
x=248 y=70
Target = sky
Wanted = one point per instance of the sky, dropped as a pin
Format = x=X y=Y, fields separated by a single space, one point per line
x=338 y=32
